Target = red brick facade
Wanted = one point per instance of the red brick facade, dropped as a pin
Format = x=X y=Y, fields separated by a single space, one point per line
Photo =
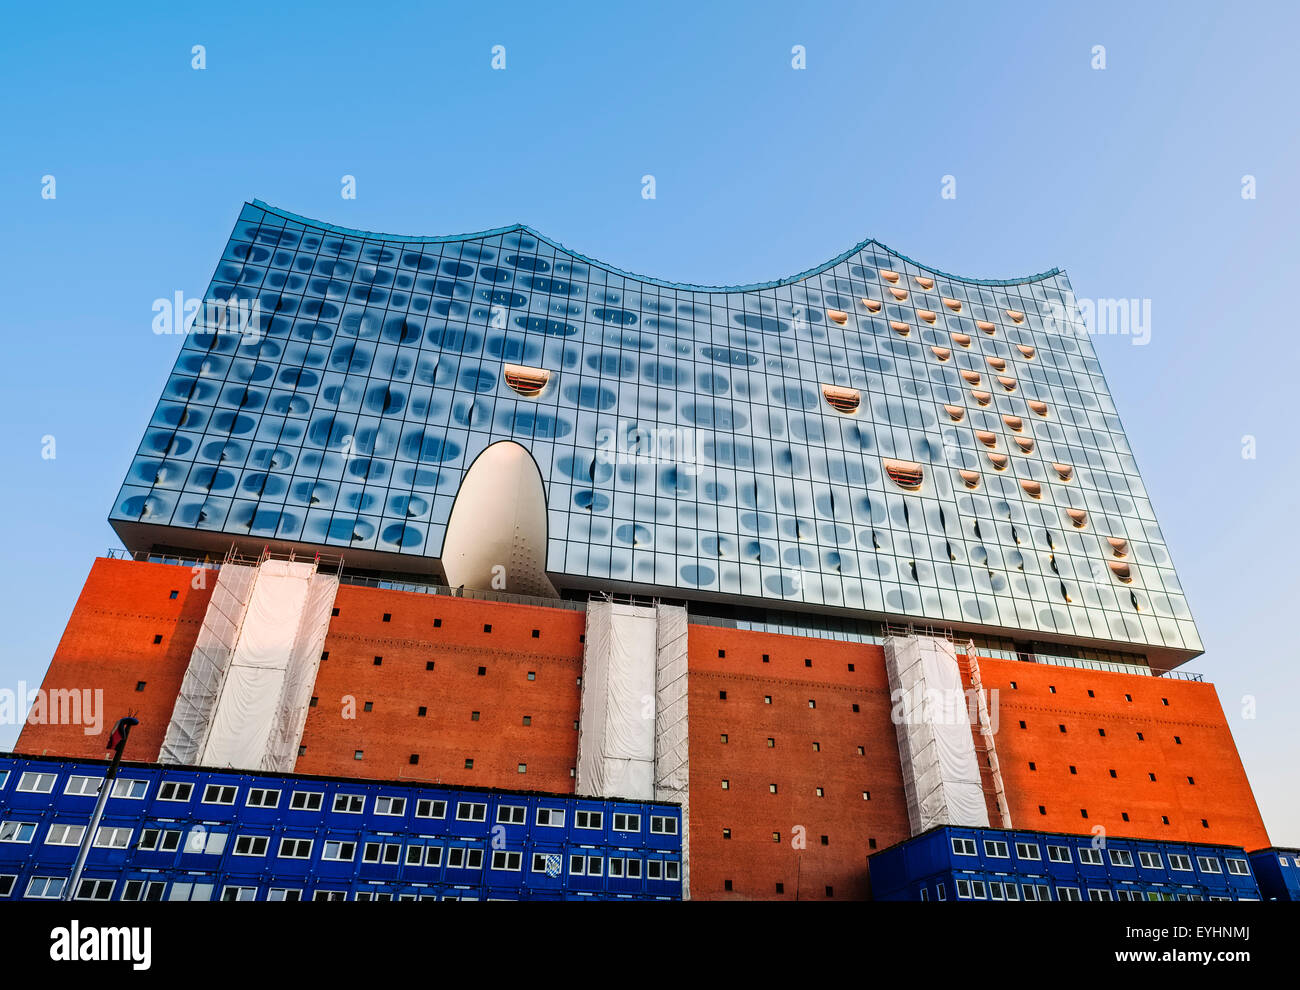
x=786 y=727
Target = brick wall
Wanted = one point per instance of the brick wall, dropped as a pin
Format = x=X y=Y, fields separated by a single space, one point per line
x=452 y=635
x=1187 y=737
x=811 y=748
x=109 y=646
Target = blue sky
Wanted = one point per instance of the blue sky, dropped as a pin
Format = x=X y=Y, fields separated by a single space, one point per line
x=1129 y=177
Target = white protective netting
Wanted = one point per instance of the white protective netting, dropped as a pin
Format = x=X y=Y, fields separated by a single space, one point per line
x=300 y=675
x=243 y=701
x=941 y=776
x=616 y=738
x=278 y=648
x=672 y=740
x=192 y=714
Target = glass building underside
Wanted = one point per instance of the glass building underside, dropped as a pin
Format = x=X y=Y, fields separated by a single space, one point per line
x=870 y=437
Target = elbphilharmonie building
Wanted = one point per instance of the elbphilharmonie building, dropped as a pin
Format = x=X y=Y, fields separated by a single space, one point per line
x=870 y=438
x=839 y=586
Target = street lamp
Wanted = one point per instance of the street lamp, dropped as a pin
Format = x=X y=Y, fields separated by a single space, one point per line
x=117 y=743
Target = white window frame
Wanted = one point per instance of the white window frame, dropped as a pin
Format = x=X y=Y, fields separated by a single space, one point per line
x=37 y=778
x=338 y=856
x=471 y=811
x=1180 y=862
x=392 y=807
x=962 y=847
x=672 y=870
x=190 y=891
x=1071 y=893
x=45 y=883
x=1208 y=864
x=584 y=815
x=963 y=889
x=512 y=814
x=81 y=780
x=64 y=830
x=16 y=829
x=1029 y=851
x=130 y=788
x=164 y=839
x=663 y=825
x=283 y=894
x=1054 y=854
x=214 y=843
x=239 y=893
x=221 y=789
x=431 y=804
x=1090 y=857
x=297 y=845
x=170 y=790
x=628 y=818
x=144 y=888
x=505 y=857
x=255 y=845
x=1150 y=860
x=1243 y=867
x=114 y=837
x=349 y=800
x=1121 y=857
x=311 y=801
x=554 y=817
x=991 y=847
x=262 y=792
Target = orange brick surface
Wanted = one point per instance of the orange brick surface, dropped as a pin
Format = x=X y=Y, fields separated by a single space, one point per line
x=447 y=735
x=751 y=858
x=108 y=645
x=1187 y=737
x=1199 y=783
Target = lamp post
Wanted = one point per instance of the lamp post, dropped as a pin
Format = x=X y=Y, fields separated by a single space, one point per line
x=117 y=743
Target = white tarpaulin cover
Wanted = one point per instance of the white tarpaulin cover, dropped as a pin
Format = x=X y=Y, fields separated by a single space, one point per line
x=300 y=677
x=243 y=702
x=941 y=775
x=248 y=726
x=209 y=660
x=616 y=740
x=672 y=740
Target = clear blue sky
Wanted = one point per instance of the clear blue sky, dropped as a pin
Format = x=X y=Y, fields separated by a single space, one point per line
x=1129 y=177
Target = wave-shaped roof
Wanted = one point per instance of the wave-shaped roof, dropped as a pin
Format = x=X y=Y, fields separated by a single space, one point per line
x=688 y=286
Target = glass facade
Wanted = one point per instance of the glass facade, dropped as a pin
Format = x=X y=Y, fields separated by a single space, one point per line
x=870 y=435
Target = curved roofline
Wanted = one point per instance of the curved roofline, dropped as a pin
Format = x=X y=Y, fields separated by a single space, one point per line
x=512 y=228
